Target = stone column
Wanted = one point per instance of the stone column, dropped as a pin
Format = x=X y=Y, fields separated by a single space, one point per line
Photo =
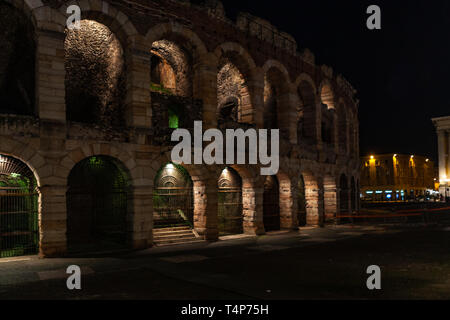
x=52 y=221
x=140 y=217
x=287 y=117
x=205 y=88
x=330 y=198
x=50 y=76
x=289 y=203
x=442 y=153
x=447 y=170
x=252 y=208
x=205 y=209
x=138 y=99
x=256 y=87
x=314 y=204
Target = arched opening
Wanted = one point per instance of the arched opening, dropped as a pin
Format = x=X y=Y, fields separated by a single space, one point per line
x=95 y=75
x=171 y=68
x=19 y=216
x=327 y=96
x=173 y=198
x=233 y=95
x=301 y=202
x=230 y=215
x=172 y=77
x=271 y=208
x=97 y=205
x=354 y=194
x=17 y=62
x=343 y=194
x=306 y=114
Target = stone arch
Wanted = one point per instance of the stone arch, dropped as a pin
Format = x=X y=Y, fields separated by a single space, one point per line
x=306 y=110
x=180 y=50
x=236 y=75
x=95 y=74
x=230 y=205
x=26 y=153
x=204 y=195
x=252 y=198
x=176 y=31
x=278 y=107
x=173 y=197
x=99 y=205
x=240 y=56
x=76 y=155
x=106 y=14
x=20 y=212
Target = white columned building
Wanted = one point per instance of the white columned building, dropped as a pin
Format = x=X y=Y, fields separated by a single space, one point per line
x=443 y=132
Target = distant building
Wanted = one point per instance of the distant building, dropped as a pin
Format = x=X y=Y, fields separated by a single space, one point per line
x=443 y=132
x=396 y=177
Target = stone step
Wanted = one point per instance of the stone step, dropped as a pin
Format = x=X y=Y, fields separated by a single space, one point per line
x=171 y=229
x=174 y=232
x=183 y=236
x=175 y=242
x=174 y=235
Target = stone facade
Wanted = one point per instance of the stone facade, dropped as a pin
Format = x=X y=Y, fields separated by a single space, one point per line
x=396 y=177
x=443 y=132
x=308 y=102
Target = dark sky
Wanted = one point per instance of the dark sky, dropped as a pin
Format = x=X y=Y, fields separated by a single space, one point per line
x=401 y=72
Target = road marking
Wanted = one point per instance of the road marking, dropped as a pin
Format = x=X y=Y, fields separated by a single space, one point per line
x=184 y=258
x=61 y=273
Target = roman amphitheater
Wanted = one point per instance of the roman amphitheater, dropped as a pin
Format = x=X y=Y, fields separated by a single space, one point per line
x=86 y=117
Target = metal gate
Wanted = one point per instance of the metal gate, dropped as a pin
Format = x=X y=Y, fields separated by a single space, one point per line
x=271 y=210
x=19 y=218
x=173 y=207
x=229 y=211
x=173 y=198
x=97 y=205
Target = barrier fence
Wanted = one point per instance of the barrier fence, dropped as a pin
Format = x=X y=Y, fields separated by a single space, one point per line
x=426 y=215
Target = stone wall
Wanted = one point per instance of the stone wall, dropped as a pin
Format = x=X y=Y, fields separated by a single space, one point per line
x=51 y=146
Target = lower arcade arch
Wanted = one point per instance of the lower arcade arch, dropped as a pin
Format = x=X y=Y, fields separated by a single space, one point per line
x=173 y=204
x=271 y=207
x=19 y=213
x=97 y=204
x=230 y=211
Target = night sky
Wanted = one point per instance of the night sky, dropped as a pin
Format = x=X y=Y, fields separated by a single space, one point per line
x=401 y=72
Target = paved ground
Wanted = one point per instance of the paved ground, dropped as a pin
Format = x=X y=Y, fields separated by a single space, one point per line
x=313 y=264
